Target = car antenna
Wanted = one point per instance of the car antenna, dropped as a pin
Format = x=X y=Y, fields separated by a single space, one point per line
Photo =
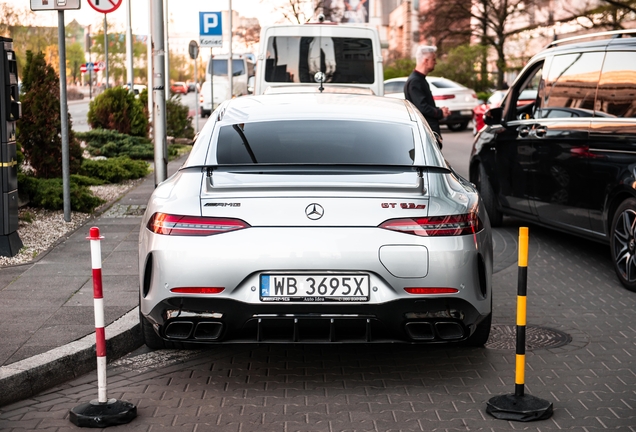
x=320 y=77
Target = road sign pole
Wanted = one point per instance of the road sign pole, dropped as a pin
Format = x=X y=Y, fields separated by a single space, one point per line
x=166 y=18
x=230 y=73
x=159 y=88
x=106 y=48
x=149 y=67
x=129 y=48
x=66 y=189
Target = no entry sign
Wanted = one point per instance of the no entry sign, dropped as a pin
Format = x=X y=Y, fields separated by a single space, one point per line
x=104 y=6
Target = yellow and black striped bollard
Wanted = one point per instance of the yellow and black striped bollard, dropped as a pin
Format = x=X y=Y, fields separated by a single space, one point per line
x=519 y=406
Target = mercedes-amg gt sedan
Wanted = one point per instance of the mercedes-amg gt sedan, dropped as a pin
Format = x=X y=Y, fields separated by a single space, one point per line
x=315 y=218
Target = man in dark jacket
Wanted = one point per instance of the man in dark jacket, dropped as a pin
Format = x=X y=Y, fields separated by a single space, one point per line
x=417 y=90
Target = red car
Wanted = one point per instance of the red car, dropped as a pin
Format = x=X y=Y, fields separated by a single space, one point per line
x=526 y=97
x=179 y=87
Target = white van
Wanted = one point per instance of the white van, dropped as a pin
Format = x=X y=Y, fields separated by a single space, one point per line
x=221 y=94
x=341 y=57
x=242 y=69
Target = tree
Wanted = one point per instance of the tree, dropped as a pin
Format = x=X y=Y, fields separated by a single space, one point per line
x=39 y=128
x=459 y=65
x=248 y=35
x=75 y=57
x=492 y=23
x=10 y=16
x=609 y=14
x=297 y=11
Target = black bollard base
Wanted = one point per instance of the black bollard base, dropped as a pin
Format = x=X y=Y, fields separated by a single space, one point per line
x=99 y=415
x=519 y=408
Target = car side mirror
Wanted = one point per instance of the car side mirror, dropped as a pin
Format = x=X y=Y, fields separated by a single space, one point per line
x=493 y=116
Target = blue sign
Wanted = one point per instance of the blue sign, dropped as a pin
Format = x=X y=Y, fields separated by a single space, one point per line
x=210 y=29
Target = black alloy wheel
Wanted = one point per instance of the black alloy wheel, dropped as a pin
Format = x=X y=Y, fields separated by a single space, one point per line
x=623 y=243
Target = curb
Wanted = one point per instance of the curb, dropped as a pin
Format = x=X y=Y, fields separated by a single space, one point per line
x=31 y=376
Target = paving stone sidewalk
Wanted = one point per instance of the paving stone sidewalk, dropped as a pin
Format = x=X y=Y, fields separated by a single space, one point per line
x=46 y=307
x=571 y=288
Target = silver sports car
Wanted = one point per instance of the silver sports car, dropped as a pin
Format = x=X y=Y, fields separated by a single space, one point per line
x=326 y=218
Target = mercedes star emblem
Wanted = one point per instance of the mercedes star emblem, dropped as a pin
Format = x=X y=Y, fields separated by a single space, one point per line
x=314 y=211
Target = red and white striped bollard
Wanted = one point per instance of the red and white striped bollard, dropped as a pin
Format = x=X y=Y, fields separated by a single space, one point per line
x=100 y=412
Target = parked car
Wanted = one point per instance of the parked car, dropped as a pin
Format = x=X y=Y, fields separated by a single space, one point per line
x=137 y=88
x=526 y=97
x=567 y=159
x=192 y=86
x=179 y=87
x=315 y=218
x=459 y=99
x=221 y=94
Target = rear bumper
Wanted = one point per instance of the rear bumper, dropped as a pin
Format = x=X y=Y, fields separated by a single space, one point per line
x=414 y=320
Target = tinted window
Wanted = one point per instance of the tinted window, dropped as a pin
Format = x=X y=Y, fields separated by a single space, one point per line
x=316 y=141
x=571 y=83
x=220 y=67
x=394 y=87
x=297 y=59
x=444 y=83
x=617 y=86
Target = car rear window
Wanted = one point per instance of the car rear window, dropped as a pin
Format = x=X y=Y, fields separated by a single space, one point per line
x=316 y=142
x=445 y=83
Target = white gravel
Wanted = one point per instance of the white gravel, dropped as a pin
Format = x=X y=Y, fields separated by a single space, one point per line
x=40 y=229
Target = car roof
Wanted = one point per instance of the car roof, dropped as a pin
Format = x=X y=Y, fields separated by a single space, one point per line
x=328 y=106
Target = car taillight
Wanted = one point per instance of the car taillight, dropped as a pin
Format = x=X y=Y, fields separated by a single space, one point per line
x=161 y=223
x=197 y=290
x=453 y=225
x=427 y=290
x=444 y=97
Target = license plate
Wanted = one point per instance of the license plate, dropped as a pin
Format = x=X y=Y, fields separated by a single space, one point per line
x=314 y=288
x=466 y=112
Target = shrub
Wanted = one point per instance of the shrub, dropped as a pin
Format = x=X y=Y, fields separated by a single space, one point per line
x=39 y=128
x=116 y=169
x=462 y=64
x=178 y=120
x=49 y=194
x=399 y=68
x=118 y=109
x=110 y=143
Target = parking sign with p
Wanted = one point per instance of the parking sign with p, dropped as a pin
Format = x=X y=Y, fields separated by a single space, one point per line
x=210 y=29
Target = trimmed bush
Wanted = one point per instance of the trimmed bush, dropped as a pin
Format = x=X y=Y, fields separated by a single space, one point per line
x=110 y=143
x=49 y=194
x=40 y=127
x=178 y=120
x=119 y=110
x=115 y=170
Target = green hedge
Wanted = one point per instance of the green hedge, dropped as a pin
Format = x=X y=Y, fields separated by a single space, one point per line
x=115 y=170
x=110 y=143
x=49 y=193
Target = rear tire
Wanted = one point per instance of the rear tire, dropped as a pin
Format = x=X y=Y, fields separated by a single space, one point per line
x=151 y=339
x=457 y=127
x=488 y=197
x=623 y=243
x=481 y=334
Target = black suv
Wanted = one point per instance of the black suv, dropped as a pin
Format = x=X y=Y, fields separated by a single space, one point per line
x=568 y=160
